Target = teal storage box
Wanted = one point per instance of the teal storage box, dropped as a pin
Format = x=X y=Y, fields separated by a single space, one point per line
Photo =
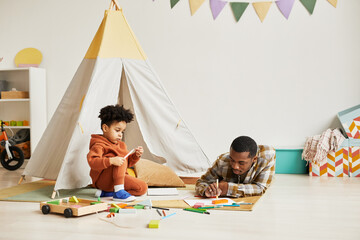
x=289 y=161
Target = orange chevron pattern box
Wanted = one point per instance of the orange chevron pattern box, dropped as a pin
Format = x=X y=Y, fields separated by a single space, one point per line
x=336 y=164
x=354 y=164
x=350 y=120
x=343 y=162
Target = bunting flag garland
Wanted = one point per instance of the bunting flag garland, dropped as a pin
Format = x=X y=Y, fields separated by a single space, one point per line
x=173 y=3
x=261 y=9
x=333 y=2
x=195 y=5
x=285 y=7
x=238 y=8
x=216 y=7
x=309 y=5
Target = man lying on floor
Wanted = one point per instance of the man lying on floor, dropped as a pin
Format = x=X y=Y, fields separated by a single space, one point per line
x=247 y=170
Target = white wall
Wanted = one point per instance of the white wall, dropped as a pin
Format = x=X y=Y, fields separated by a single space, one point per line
x=278 y=81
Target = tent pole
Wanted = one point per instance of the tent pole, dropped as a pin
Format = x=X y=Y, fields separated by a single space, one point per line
x=21 y=179
x=111 y=5
x=53 y=194
x=116 y=4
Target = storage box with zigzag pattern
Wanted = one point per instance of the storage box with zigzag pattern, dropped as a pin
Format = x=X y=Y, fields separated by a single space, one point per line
x=343 y=162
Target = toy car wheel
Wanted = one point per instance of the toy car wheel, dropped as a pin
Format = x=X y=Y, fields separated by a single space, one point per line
x=45 y=209
x=68 y=212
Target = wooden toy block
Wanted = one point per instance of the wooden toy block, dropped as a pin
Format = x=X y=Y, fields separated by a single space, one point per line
x=74 y=199
x=56 y=202
x=139 y=206
x=154 y=224
x=219 y=201
x=127 y=210
x=128 y=207
x=115 y=205
x=197 y=205
x=93 y=203
x=114 y=210
x=122 y=205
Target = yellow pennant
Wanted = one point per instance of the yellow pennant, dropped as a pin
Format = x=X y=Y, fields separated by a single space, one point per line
x=333 y=2
x=261 y=9
x=195 y=5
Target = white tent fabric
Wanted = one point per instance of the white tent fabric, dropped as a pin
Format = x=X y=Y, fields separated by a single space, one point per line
x=106 y=77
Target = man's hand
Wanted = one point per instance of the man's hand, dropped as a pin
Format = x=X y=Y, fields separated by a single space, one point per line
x=117 y=161
x=139 y=151
x=213 y=191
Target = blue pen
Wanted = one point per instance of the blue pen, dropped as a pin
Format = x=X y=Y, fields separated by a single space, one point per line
x=237 y=205
x=168 y=216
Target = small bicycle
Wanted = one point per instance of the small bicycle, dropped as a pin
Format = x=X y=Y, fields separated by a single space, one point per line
x=11 y=157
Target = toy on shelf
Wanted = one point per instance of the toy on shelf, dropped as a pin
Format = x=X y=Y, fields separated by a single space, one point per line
x=28 y=57
x=14 y=94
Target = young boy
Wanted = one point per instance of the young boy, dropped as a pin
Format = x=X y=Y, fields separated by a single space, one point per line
x=106 y=157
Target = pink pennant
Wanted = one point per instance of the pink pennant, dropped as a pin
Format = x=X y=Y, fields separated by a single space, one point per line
x=216 y=7
x=285 y=7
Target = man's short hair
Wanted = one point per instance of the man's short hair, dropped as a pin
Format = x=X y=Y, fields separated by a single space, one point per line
x=245 y=144
x=115 y=113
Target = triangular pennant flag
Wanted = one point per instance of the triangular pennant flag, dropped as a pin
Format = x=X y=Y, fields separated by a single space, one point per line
x=309 y=5
x=216 y=7
x=173 y=2
x=285 y=7
x=262 y=9
x=238 y=9
x=195 y=5
x=333 y=2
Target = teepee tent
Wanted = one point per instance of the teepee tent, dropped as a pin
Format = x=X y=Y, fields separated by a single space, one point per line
x=115 y=70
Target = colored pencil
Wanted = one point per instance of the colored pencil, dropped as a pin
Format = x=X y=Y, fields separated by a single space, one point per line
x=168 y=216
x=217 y=187
x=196 y=210
x=161 y=208
x=159 y=212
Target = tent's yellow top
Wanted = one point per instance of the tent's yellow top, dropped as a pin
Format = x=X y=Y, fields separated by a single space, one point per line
x=115 y=39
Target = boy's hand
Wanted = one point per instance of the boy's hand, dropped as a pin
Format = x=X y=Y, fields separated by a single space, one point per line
x=117 y=161
x=139 y=151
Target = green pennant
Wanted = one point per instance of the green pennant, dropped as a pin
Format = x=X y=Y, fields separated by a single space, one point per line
x=173 y=2
x=309 y=5
x=238 y=9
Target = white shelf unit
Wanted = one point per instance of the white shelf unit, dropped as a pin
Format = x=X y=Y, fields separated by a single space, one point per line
x=32 y=109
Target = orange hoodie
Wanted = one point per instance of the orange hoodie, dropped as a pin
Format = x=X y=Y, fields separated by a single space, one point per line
x=101 y=149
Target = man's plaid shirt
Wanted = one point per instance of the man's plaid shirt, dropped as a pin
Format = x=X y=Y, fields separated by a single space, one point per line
x=257 y=179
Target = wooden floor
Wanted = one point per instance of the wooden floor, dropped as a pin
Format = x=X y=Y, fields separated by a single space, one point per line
x=295 y=207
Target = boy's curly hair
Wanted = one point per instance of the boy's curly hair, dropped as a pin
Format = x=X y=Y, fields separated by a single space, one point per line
x=115 y=113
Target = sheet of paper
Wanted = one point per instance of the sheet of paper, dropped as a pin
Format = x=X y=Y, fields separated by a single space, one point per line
x=206 y=201
x=162 y=191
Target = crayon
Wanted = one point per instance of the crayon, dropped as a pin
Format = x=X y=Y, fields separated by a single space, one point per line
x=196 y=210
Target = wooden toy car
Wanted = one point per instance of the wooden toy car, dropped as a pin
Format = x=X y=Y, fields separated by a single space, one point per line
x=69 y=208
